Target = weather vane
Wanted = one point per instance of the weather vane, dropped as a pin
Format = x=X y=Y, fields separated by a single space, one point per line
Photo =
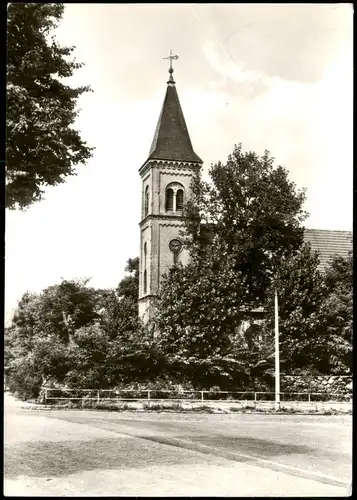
x=172 y=58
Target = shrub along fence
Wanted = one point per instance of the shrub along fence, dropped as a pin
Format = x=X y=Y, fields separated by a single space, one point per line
x=87 y=398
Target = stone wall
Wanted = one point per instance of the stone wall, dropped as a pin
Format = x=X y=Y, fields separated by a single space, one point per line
x=333 y=384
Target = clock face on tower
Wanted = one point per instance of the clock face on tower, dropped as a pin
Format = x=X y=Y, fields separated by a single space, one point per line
x=175 y=246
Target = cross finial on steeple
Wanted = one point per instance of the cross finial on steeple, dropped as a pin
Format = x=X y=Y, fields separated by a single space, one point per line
x=172 y=58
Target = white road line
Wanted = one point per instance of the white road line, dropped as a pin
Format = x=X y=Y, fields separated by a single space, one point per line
x=297 y=469
x=260 y=460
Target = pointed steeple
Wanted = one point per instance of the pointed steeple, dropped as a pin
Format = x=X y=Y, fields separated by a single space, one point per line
x=171 y=139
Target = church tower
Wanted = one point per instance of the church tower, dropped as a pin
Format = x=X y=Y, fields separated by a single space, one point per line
x=166 y=178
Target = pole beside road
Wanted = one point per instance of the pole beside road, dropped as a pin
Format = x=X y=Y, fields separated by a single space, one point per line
x=277 y=360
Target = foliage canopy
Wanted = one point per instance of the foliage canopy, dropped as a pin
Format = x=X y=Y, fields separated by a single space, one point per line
x=43 y=147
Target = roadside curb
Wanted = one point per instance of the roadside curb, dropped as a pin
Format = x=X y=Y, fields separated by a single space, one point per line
x=25 y=407
x=139 y=410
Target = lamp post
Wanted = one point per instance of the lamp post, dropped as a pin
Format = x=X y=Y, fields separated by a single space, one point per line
x=274 y=276
x=277 y=360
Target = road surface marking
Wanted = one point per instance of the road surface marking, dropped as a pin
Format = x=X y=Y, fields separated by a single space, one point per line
x=200 y=447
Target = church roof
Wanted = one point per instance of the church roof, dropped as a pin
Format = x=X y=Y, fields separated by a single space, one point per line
x=171 y=139
x=328 y=243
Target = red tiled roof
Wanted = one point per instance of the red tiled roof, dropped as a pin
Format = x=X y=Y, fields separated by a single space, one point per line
x=329 y=243
x=171 y=139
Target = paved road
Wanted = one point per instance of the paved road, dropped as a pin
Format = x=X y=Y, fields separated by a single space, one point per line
x=76 y=453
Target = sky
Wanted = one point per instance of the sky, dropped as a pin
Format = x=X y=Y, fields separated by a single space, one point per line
x=274 y=77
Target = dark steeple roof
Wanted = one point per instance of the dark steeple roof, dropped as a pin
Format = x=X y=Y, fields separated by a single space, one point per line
x=171 y=140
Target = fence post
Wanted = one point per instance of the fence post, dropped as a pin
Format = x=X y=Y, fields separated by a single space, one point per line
x=45 y=396
x=149 y=402
x=202 y=397
x=98 y=397
x=255 y=400
x=309 y=398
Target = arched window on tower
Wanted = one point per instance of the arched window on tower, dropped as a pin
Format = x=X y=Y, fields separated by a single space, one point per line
x=179 y=199
x=146 y=201
x=169 y=204
x=145 y=281
x=174 y=197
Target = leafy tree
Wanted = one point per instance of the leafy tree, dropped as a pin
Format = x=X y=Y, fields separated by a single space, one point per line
x=197 y=315
x=43 y=148
x=23 y=376
x=238 y=229
x=118 y=349
x=131 y=355
x=66 y=307
x=77 y=335
x=315 y=314
x=88 y=357
x=52 y=358
x=25 y=319
x=336 y=316
x=254 y=208
x=301 y=292
x=19 y=368
x=124 y=319
x=42 y=333
x=135 y=360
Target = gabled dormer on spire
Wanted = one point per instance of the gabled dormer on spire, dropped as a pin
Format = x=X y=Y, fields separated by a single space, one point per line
x=171 y=139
